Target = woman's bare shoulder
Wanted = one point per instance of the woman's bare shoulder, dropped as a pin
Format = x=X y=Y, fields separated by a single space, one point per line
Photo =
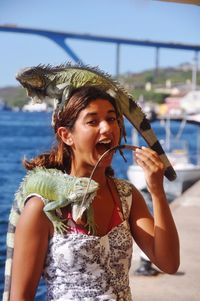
x=33 y=216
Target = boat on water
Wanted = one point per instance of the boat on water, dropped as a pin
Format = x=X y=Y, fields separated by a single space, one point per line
x=36 y=107
x=177 y=150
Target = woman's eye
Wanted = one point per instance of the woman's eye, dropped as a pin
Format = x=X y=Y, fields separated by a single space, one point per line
x=112 y=119
x=92 y=122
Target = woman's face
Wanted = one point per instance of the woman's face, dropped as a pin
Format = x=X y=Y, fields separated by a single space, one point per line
x=95 y=131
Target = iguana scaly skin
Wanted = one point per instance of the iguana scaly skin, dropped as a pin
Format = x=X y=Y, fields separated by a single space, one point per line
x=57 y=82
x=58 y=190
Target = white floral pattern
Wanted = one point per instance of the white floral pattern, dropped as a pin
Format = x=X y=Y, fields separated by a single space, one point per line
x=83 y=267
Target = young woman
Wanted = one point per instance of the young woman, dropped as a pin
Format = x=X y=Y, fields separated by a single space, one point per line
x=79 y=265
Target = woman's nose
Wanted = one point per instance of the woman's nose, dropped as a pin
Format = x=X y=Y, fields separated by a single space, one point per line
x=104 y=127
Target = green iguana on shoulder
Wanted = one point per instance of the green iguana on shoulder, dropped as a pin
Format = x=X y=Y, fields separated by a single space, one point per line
x=57 y=190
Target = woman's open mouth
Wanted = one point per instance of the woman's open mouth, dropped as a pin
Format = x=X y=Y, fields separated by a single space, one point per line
x=103 y=145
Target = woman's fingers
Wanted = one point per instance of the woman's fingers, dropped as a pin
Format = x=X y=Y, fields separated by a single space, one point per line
x=148 y=157
x=152 y=166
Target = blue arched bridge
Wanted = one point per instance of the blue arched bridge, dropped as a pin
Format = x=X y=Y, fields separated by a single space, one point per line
x=60 y=38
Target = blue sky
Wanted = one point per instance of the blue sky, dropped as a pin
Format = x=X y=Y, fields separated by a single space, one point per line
x=136 y=19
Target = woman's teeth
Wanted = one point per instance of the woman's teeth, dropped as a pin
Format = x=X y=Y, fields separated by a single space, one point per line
x=103 y=145
x=108 y=141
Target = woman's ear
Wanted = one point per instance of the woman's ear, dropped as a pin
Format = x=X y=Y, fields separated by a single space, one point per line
x=65 y=135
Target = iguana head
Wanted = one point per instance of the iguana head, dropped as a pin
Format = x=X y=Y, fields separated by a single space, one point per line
x=33 y=80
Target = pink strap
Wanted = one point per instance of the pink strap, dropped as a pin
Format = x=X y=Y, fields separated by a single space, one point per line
x=73 y=227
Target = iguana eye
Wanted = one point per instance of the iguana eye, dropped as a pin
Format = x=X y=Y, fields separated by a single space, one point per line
x=36 y=82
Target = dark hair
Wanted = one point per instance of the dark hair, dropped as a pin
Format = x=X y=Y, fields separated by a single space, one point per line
x=60 y=155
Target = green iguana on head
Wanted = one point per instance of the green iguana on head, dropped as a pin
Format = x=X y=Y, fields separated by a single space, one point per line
x=58 y=82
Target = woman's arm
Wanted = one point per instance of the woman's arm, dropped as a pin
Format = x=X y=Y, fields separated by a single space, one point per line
x=156 y=236
x=30 y=247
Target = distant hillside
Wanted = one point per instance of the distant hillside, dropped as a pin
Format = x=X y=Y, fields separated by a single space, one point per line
x=134 y=82
x=177 y=75
x=14 y=96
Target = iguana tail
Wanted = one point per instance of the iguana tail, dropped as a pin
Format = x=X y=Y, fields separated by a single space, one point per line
x=13 y=219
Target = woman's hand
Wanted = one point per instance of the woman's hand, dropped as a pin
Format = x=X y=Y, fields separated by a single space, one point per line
x=152 y=166
x=156 y=235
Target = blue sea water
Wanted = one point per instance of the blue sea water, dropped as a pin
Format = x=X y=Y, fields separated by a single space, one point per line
x=28 y=134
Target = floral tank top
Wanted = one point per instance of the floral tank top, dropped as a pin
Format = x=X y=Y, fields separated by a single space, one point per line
x=83 y=267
